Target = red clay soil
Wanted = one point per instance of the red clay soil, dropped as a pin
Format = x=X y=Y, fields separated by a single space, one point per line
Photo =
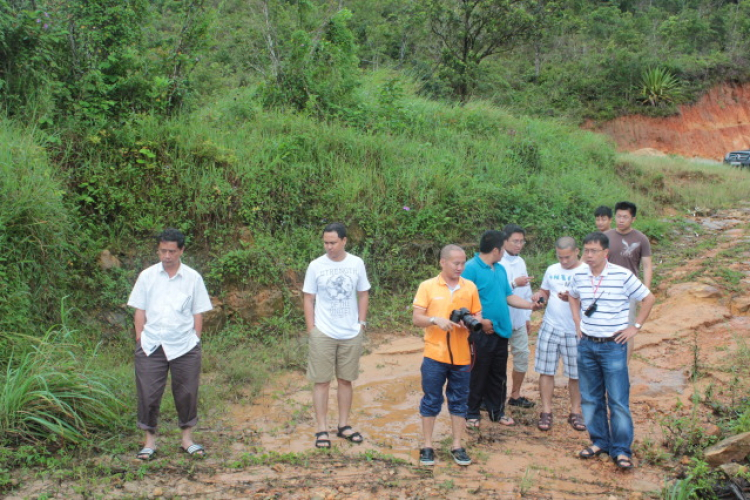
x=719 y=122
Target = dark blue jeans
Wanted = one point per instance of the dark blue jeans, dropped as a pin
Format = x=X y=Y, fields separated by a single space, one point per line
x=434 y=376
x=603 y=377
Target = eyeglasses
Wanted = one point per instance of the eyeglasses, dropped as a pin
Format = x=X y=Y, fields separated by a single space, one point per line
x=517 y=242
x=592 y=251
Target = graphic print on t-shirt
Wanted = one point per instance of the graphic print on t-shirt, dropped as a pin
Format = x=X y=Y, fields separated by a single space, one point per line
x=629 y=249
x=340 y=288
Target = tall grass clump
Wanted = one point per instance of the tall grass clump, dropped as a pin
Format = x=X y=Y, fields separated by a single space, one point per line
x=35 y=233
x=50 y=393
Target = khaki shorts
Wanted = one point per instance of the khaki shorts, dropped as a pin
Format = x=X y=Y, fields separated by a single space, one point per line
x=329 y=357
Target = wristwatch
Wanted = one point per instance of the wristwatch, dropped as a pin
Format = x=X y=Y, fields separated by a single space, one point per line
x=363 y=323
x=638 y=326
x=432 y=320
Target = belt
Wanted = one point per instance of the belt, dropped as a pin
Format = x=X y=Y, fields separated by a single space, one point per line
x=599 y=340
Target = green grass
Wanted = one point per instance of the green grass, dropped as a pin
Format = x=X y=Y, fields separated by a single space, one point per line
x=683 y=184
x=48 y=393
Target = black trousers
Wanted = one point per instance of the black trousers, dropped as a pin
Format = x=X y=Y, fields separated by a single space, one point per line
x=489 y=378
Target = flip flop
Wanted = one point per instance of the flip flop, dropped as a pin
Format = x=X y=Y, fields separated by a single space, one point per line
x=194 y=450
x=354 y=437
x=506 y=421
x=472 y=424
x=146 y=454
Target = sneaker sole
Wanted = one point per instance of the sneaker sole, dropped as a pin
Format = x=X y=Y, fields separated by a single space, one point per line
x=463 y=463
x=423 y=462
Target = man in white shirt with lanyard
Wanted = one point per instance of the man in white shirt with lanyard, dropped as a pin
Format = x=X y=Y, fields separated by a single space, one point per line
x=336 y=298
x=169 y=299
x=599 y=299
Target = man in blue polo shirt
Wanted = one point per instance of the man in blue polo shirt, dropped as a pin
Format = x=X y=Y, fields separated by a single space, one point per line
x=599 y=298
x=489 y=374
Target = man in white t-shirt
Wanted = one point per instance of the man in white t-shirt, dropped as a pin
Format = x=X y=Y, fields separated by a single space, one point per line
x=336 y=297
x=169 y=299
x=557 y=336
x=520 y=283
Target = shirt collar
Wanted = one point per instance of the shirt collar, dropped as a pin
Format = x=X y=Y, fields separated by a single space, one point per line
x=162 y=270
x=605 y=271
x=442 y=282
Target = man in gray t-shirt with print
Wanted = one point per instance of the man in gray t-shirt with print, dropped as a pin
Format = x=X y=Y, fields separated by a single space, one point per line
x=336 y=297
x=630 y=248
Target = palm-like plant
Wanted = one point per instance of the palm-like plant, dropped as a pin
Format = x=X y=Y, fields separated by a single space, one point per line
x=658 y=87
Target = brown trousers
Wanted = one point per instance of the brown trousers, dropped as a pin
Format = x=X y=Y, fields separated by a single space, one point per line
x=151 y=379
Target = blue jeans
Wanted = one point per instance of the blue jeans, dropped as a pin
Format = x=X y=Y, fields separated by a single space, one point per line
x=434 y=376
x=604 y=380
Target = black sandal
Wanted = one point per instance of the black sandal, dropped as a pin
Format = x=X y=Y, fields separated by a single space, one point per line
x=322 y=443
x=590 y=452
x=354 y=437
x=624 y=463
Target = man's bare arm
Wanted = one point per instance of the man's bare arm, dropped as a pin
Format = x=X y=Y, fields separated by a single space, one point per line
x=363 y=302
x=139 y=319
x=309 y=307
x=648 y=270
x=198 y=321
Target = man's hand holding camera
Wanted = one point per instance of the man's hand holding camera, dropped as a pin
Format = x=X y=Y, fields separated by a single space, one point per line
x=443 y=323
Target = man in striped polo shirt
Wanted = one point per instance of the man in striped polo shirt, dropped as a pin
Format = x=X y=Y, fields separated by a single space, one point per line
x=600 y=303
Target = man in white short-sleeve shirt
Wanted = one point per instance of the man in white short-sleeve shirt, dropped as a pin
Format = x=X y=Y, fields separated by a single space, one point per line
x=599 y=298
x=336 y=298
x=557 y=335
x=169 y=299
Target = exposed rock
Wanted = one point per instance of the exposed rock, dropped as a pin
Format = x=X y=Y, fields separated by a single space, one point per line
x=246 y=236
x=741 y=304
x=732 y=449
x=251 y=306
x=733 y=470
x=698 y=290
x=648 y=152
x=702 y=291
x=214 y=319
x=711 y=430
x=116 y=318
x=158 y=492
x=108 y=261
x=704 y=212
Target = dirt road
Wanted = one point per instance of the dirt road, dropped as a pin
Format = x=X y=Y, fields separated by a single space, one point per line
x=264 y=449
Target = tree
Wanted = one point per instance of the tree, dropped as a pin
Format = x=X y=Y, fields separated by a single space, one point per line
x=470 y=31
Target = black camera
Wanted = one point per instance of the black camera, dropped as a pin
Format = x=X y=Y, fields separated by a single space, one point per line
x=470 y=321
x=590 y=310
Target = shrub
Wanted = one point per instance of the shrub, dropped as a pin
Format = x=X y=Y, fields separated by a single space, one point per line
x=49 y=393
x=35 y=229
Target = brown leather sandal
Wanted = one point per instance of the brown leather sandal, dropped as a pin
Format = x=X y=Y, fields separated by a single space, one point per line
x=576 y=422
x=545 y=422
